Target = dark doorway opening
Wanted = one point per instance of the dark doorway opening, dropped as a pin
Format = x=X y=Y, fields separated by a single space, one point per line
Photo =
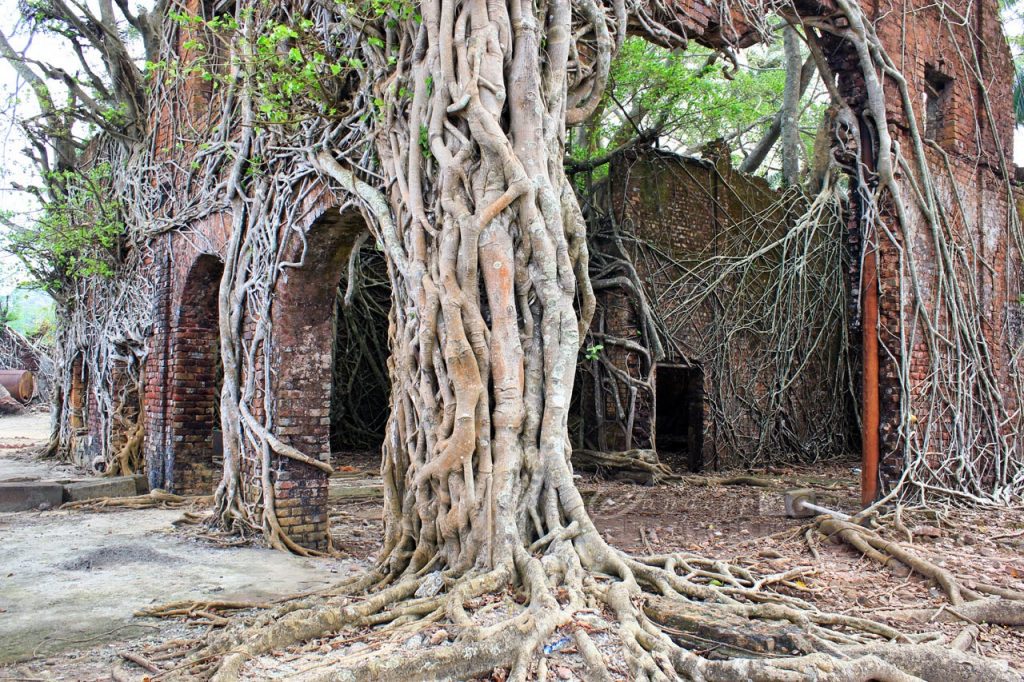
x=361 y=388
x=679 y=416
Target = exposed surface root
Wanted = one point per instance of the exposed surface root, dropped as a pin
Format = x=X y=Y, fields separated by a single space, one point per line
x=967 y=597
x=640 y=466
x=886 y=662
x=155 y=499
x=128 y=459
x=649 y=614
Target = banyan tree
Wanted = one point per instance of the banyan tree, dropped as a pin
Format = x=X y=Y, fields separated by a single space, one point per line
x=440 y=126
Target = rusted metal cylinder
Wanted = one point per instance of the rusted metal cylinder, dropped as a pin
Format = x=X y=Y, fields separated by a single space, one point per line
x=19 y=383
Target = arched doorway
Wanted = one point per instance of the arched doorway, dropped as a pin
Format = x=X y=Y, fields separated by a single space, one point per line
x=194 y=462
x=304 y=382
x=361 y=388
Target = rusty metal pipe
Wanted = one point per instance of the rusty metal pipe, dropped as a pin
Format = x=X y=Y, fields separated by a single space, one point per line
x=870 y=414
x=870 y=417
x=20 y=383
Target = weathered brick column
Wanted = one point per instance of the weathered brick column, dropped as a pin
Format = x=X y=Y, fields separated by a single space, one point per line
x=302 y=359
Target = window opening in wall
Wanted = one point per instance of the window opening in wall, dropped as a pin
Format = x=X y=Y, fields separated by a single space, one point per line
x=212 y=58
x=679 y=415
x=215 y=8
x=937 y=91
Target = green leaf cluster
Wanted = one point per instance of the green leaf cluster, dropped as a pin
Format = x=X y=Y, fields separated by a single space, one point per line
x=689 y=98
x=78 y=233
x=291 y=74
x=294 y=74
x=393 y=10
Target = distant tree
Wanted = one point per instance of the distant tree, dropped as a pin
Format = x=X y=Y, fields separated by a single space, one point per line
x=685 y=98
x=76 y=232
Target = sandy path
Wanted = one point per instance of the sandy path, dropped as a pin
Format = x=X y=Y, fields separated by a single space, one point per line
x=73 y=576
x=24 y=429
x=74 y=579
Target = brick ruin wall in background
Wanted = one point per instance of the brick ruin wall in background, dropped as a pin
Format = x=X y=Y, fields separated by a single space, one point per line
x=686 y=207
x=682 y=218
x=949 y=109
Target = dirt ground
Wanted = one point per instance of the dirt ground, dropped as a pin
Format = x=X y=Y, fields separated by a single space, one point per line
x=747 y=525
x=70 y=581
x=744 y=524
x=24 y=430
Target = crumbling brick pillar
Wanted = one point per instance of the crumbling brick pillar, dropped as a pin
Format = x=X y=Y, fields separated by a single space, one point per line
x=155 y=373
x=77 y=398
x=302 y=356
x=80 y=404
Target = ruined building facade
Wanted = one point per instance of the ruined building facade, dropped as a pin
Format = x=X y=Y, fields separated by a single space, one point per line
x=673 y=203
x=707 y=244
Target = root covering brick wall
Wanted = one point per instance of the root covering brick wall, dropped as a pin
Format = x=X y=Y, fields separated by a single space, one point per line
x=964 y=128
x=681 y=213
x=681 y=205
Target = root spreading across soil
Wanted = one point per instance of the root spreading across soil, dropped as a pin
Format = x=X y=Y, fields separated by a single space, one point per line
x=798 y=599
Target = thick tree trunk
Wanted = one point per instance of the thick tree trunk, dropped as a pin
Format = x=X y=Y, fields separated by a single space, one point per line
x=489 y=263
x=760 y=151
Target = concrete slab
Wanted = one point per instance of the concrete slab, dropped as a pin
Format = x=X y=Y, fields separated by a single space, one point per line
x=28 y=495
x=118 y=486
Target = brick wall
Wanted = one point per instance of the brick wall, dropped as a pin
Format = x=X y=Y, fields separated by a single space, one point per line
x=303 y=344
x=180 y=370
x=932 y=50
x=682 y=211
x=194 y=387
x=156 y=370
x=696 y=210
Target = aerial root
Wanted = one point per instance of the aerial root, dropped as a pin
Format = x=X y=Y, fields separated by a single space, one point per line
x=155 y=499
x=639 y=466
x=819 y=667
x=993 y=611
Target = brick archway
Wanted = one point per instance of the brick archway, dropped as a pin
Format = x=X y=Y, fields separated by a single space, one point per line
x=191 y=466
x=302 y=359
